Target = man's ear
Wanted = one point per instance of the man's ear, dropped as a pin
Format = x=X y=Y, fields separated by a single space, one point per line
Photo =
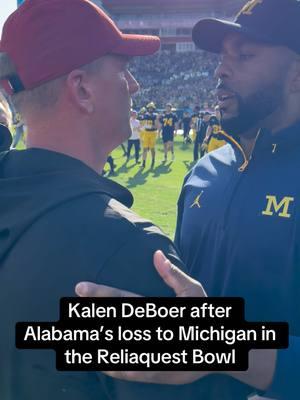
x=79 y=87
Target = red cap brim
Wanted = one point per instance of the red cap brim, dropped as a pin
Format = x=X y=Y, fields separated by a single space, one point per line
x=137 y=45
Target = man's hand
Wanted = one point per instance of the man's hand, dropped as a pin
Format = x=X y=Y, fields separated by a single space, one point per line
x=261 y=362
x=182 y=284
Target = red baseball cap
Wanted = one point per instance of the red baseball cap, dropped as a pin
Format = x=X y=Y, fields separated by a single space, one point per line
x=46 y=39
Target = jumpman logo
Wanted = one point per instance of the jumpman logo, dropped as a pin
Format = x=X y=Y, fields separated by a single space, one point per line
x=197 y=201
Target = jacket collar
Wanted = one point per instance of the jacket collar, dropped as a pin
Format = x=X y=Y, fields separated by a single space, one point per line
x=39 y=162
x=285 y=139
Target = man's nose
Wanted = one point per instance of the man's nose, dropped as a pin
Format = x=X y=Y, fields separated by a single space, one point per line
x=224 y=69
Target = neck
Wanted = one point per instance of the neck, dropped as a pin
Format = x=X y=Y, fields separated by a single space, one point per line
x=74 y=141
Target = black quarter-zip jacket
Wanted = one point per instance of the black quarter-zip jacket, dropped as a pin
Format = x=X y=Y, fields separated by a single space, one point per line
x=60 y=224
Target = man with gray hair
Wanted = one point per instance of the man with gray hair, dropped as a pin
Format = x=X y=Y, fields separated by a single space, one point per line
x=64 y=64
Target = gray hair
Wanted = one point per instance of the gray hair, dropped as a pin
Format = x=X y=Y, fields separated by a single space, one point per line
x=39 y=98
x=44 y=96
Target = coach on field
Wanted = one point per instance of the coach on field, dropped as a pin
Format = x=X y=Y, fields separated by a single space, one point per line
x=242 y=235
x=64 y=63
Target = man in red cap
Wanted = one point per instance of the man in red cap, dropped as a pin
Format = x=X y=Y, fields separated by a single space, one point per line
x=64 y=64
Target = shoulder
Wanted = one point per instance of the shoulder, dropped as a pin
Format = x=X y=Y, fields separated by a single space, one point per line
x=107 y=240
x=102 y=221
x=132 y=241
x=213 y=164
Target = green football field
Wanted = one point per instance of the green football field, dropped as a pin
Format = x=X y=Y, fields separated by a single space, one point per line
x=155 y=191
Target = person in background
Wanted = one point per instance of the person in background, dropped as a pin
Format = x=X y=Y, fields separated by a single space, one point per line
x=150 y=126
x=110 y=162
x=168 y=123
x=200 y=135
x=185 y=125
x=195 y=122
x=134 y=140
x=215 y=137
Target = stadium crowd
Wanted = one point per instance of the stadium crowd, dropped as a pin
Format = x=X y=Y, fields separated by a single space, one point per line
x=183 y=79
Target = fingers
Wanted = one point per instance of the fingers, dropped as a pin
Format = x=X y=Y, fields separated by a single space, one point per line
x=181 y=283
x=169 y=273
x=89 y=289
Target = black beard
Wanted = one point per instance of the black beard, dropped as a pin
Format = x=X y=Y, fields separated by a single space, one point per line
x=254 y=109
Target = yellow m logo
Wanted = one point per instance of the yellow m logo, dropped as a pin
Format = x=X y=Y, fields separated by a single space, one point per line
x=274 y=207
x=248 y=8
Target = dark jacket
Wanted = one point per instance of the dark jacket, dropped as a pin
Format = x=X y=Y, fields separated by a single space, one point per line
x=239 y=233
x=61 y=223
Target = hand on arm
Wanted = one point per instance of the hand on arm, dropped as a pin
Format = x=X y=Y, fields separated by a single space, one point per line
x=182 y=284
x=261 y=362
